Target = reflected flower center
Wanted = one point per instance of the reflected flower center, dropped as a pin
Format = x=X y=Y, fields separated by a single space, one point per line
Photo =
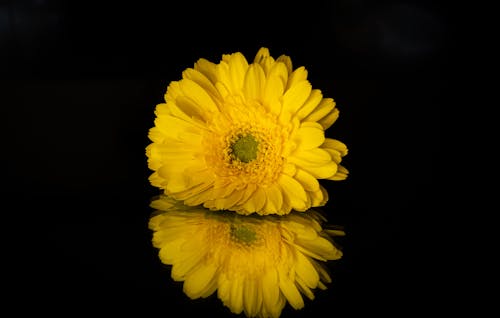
x=243 y=234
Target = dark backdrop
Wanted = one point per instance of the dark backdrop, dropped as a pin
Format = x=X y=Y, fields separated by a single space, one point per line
x=79 y=83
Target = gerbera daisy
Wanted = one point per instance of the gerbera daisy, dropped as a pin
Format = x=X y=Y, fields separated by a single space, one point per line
x=256 y=264
x=245 y=137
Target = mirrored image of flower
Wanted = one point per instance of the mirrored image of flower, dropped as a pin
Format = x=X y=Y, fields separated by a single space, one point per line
x=245 y=137
x=255 y=264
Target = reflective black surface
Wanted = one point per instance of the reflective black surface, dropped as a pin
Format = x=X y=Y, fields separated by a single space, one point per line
x=79 y=82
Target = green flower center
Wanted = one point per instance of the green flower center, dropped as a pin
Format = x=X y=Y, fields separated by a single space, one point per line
x=245 y=148
x=242 y=234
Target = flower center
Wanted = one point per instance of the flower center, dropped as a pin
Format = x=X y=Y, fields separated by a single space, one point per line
x=243 y=234
x=245 y=148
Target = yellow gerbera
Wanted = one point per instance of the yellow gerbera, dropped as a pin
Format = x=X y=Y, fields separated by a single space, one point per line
x=255 y=263
x=245 y=137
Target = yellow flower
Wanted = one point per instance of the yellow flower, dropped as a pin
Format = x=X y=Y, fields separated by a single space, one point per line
x=254 y=263
x=245 y=137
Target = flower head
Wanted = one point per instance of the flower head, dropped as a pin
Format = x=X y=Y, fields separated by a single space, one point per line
x=256 y=264
x=245 y=137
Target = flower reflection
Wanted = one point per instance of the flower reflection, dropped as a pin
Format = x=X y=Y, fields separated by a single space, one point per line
x=256 y=264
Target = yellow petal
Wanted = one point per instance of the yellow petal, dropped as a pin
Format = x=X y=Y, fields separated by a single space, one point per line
x=182 y=113
x=255 y=81
x=319 y=198
x=176 y=181
x=280 y=71
x=209 y=289
x=238 y=66
x=223 y=84
x=191 y=109
x=154 y=158
x=163 y=108
x=295 y=97
x=329 y=119
x=306 y=271
x=270 y=289
x=173 y=91
x=171 y=126
x=188 y=193
x=308 y=182
x=204 y=82
x=335 y=232
x=310 y=104
x=223 y=187
x=224 y=289
x=315 y=163
x=322 y=271
x=197 y=174
x=173 y=232
x=157 y=181
x=156 y=221
x=289 y=169
x=169 y=251
x=275 y=107
x=301 y=230
x=229 y=201
x=162 y=205
x=264 y=59
x=286 y=207
x=287 y=61
x=320 y=246
x=199 y=95
x=165 y=153
x=309 y=136
x=330 y=143
x=181 y=268
x=247 y=193
x=309 y=253
x=324 y=108
x=293 y=191
x=262 y=53
x=313 y=156
x=226 y=58
x=341 y=174
x=198 y=280
x=200 y=198
x=273 y=91
x=334 y=154
x=256 y=202
x=207 y=68
x=299 y=75
x=190 y=141
x=291 y=292
x=267 y=63
x=274 y=199
x=301 y=285
x=251 y=300
x=155 y=135
x=236 y=297
x=276 y=311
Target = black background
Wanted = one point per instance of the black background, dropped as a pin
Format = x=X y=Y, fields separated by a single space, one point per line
x=79 y=83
